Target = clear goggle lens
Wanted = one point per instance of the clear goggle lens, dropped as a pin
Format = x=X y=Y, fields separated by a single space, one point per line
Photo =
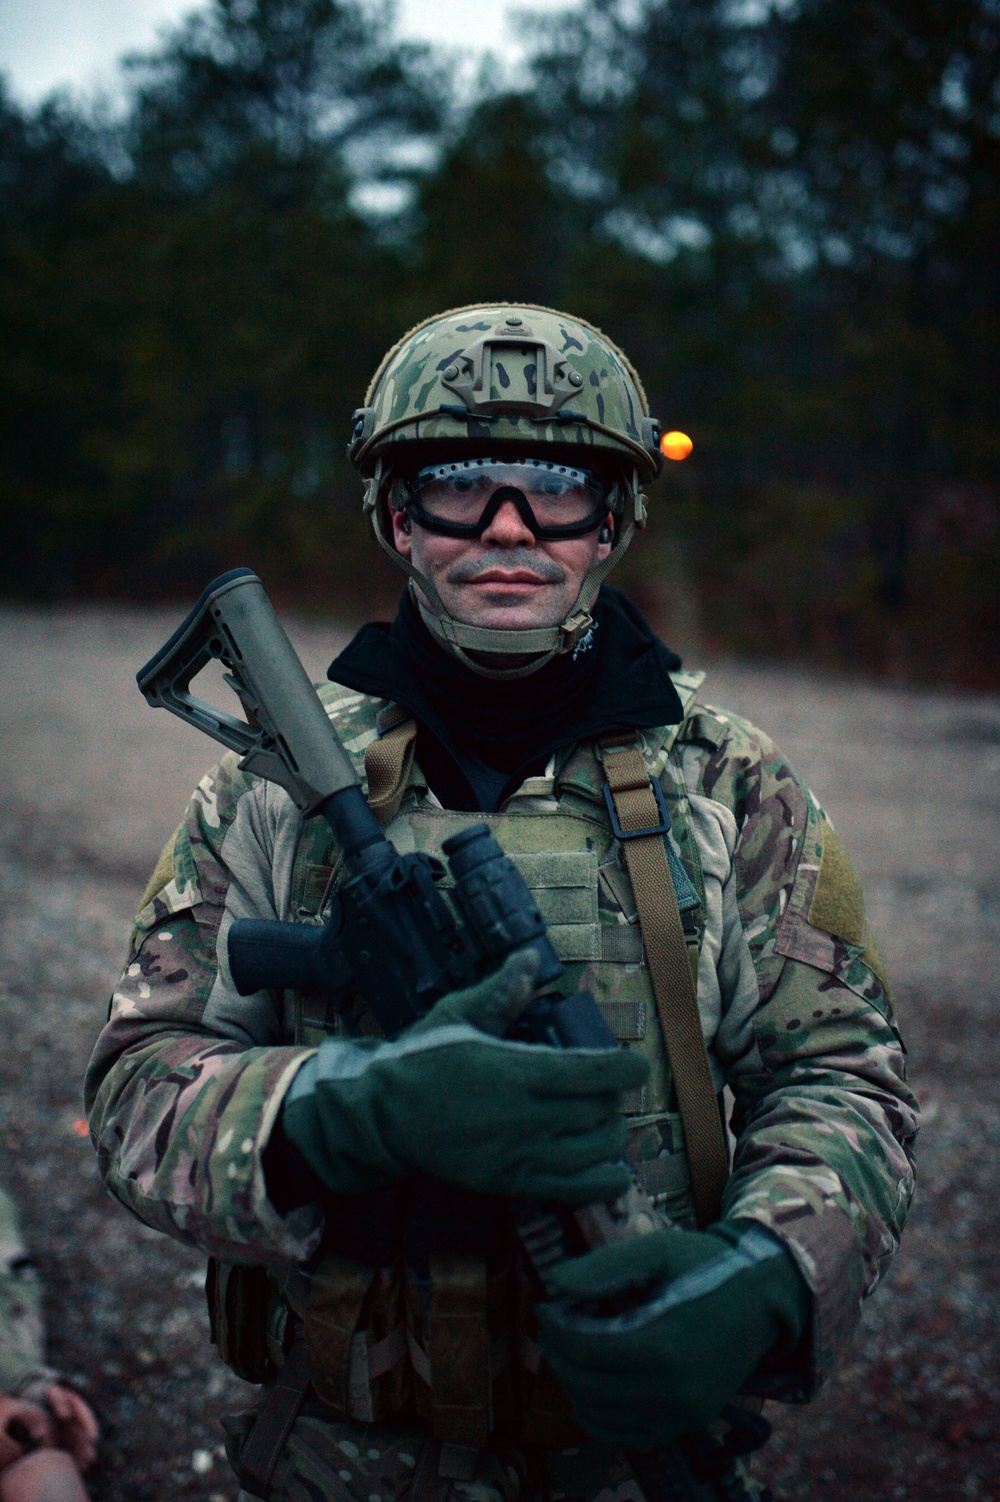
x=462 y=497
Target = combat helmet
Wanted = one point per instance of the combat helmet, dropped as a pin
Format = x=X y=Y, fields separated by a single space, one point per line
x=502 y=377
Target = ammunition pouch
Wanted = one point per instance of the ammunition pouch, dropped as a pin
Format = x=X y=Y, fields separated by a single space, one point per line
x=239 y=1299
x=456 y=1349
x=436 y=1325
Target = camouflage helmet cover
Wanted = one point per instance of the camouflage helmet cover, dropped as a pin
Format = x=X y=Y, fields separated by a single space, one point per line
x=512 y=374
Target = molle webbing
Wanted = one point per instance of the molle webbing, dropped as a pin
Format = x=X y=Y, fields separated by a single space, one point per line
x=660 y=940
x=338 y=1293
x=274 y=1421
x=670 y=973
x=459 y=1350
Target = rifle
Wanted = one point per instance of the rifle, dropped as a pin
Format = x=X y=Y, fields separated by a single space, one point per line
x=393 y=935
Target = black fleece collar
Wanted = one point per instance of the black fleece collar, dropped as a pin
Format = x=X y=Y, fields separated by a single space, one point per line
x=480 y=737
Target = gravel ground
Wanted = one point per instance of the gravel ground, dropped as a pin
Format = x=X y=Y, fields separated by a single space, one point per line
x=93 y=782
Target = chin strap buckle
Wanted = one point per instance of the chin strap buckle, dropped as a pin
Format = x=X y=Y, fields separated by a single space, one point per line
x=574 y=628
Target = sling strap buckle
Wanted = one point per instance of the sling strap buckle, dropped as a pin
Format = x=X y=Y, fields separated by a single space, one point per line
x=631 y=776
x=637 y=834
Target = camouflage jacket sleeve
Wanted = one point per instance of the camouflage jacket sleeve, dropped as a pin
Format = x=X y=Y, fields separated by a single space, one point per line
x=187 y=1077
x=806 y=1036
x=22 y=1333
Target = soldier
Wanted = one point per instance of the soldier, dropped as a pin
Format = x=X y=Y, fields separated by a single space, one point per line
x=48 y=1434
x=689 y=879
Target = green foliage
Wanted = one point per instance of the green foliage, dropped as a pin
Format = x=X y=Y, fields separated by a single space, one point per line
x=788 y=215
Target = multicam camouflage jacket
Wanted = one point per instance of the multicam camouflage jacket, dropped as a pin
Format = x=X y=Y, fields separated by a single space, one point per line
x=188 y=1078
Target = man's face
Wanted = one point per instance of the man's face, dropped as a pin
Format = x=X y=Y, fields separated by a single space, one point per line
x=506 y=579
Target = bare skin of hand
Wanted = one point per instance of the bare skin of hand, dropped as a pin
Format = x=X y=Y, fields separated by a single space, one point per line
x=75 y=1425
x=63 y=1422
x=16 y=1414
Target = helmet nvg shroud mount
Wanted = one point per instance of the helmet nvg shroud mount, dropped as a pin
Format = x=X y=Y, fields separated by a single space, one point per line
x=510 y=379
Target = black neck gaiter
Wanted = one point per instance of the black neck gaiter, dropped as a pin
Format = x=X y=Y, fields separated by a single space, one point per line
x=480 y=736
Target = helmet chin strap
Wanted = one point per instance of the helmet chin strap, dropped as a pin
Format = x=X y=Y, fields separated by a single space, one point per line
x=446 y=629
x=534 y=646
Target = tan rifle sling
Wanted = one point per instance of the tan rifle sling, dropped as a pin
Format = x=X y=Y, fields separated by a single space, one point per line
x=388 y=761
x=637 y=809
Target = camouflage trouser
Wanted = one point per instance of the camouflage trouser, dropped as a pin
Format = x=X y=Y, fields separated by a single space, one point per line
x=22 y=1332
x=327 y=1460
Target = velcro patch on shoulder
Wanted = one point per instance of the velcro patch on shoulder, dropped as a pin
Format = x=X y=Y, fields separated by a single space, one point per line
x=703 y=727
x=163 y=872
x=870 y=956
x=838 y=903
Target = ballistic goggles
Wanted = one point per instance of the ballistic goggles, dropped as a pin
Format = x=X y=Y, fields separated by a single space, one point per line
x=554 y=501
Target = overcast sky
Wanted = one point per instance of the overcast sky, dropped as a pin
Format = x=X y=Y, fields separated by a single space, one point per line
x=45 y=44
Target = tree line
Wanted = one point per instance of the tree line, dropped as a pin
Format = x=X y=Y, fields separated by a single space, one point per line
x=787 y=211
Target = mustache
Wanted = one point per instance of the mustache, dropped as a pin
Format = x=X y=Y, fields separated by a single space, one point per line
x=467 y=570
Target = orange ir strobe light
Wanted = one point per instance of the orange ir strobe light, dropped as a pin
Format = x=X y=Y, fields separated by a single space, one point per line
x=675 y=445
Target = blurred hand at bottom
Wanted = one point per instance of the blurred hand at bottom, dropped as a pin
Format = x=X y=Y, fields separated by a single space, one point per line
x=75 y=1425
x=43 y=1476
x=45 y=1445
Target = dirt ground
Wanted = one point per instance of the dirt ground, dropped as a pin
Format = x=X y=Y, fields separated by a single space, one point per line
x=91 y=784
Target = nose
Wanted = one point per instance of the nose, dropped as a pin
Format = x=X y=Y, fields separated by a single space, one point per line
x=507 y=529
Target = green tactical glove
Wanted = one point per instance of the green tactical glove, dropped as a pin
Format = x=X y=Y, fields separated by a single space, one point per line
x=716 y=1304
x=453 y=1098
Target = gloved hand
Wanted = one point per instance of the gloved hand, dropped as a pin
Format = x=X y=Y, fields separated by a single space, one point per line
x=454 y=1099
x=721 y=1301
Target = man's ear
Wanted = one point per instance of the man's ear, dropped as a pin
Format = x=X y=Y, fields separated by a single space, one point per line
x=401 y=533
